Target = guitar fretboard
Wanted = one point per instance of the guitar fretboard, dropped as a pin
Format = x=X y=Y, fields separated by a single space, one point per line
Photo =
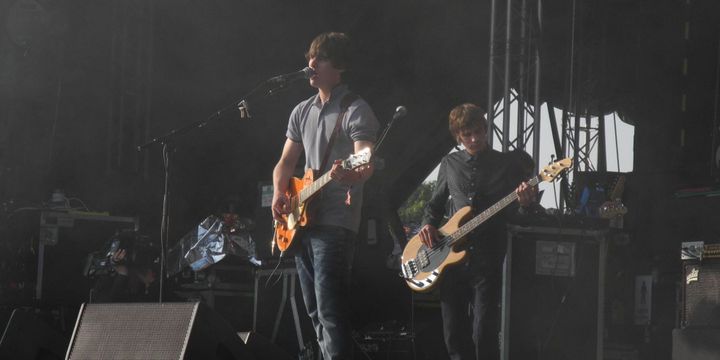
x=309 y=191
x=469 y=226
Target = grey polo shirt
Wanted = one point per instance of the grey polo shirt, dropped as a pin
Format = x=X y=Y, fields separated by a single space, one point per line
x=312 y=123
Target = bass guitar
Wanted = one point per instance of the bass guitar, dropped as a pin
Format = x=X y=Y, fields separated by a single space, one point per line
x=300 y=192
x=422 y=267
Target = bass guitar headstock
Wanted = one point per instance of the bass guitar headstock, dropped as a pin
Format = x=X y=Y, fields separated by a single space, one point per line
x=551 y=172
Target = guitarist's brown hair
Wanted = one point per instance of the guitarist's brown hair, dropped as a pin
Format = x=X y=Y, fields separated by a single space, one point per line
x=333 y=46
x=464 y=117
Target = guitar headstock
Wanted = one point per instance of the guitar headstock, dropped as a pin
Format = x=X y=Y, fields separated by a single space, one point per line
x=552 y=171
x=360 y=158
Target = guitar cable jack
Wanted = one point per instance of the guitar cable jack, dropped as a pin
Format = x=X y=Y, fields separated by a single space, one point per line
x=272 y=242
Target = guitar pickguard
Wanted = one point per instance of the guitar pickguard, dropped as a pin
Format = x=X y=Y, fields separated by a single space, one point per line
x=296 y=217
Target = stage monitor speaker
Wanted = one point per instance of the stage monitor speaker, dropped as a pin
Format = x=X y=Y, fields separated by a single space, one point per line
x=153 y=331
x=28 y=338
x=701 y=303
x=555 y=296
x=263 y=348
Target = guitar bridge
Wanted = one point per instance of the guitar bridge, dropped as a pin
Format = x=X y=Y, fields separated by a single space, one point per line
x=409 y=269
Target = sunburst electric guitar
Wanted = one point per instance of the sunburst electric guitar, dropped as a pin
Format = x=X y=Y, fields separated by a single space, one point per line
x=422 y=267
x=301 y=191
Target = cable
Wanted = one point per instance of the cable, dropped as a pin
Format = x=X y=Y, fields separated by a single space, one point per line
x=267 y=283
x=556 y=316
x=78 y=200
x=165 y=219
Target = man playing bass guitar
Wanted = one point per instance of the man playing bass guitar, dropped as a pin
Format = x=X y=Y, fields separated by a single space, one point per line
x=330 y=125
x=475 y=176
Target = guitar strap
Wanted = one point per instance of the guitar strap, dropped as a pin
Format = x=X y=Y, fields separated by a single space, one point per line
x=348 y=99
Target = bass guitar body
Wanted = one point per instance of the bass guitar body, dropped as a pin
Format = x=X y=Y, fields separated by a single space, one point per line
x=422 y=267
x=298 y=216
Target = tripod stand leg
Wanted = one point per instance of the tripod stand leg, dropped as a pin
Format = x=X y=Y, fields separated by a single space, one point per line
x=281 y=308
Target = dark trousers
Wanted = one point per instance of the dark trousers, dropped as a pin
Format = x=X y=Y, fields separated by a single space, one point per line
x=323 y=263
x=469 y=301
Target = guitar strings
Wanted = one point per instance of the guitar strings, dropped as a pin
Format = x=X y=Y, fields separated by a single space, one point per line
x=442 y=242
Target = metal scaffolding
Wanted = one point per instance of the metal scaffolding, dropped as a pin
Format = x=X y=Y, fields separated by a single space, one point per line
x=514 y=44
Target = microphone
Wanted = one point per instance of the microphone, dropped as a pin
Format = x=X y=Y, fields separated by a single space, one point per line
x=400 y=111
x=305 y=73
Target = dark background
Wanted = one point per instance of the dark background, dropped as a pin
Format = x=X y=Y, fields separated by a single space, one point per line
x=84 y=82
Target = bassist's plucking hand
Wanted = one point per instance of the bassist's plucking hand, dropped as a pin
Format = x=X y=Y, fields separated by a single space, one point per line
x=428 y=235
x=280 y=206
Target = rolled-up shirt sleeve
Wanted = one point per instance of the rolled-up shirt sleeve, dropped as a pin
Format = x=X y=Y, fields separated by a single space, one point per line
x=362 y=125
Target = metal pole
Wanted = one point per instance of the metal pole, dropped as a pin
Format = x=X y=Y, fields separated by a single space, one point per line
x=506 y=101
x=521 y=84
x=602 y=146
x=564 y=186
x=491 y=75
x=148 y=85
x=575 y=141
x=537 y=112
x=715 y=150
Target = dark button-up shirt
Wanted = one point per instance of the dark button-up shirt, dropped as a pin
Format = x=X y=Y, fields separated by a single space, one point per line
x=478 y=181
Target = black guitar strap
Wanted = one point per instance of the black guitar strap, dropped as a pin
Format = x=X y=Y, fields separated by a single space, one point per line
x=348 y=99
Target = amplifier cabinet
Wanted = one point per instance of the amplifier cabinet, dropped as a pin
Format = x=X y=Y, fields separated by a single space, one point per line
x=701 y=293
x=553 y=293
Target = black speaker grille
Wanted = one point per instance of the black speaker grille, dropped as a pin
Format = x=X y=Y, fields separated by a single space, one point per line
x=133 y=331
x=702 y=293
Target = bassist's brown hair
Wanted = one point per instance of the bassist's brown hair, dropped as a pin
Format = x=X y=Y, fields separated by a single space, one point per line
x=466 y=116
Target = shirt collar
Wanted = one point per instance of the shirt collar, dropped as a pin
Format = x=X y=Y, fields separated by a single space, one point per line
x=470 y=158
x=337 y=93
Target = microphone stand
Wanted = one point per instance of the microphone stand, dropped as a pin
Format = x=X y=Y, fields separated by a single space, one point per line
x=167 y=139
x=383 y=135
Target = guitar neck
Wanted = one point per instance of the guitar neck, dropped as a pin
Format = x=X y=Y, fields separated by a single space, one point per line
x=469 y=226
x=618 y=188
x=316 y=185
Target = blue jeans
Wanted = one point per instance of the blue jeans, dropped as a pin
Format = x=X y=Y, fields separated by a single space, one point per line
x=323 y=264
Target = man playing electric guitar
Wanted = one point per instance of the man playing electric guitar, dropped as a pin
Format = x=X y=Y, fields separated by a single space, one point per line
x=328 y=126
x=476 y=176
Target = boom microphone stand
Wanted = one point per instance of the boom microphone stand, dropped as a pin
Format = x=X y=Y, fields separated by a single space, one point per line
x=273 y=86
